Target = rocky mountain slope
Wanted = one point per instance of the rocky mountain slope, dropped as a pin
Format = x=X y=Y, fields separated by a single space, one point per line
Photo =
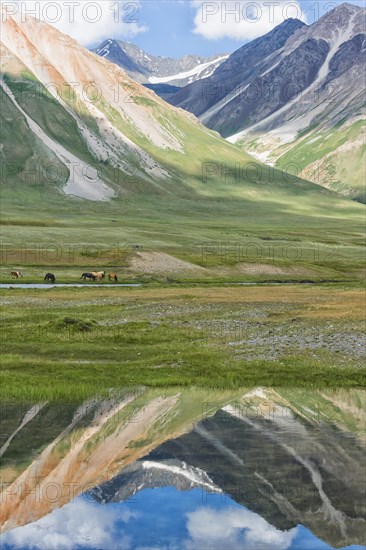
x=295 y=98
x=154 y=70
x=80 y=116
x=219 y=100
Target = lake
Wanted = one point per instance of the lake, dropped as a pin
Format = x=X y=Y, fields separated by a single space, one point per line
x=250 y=469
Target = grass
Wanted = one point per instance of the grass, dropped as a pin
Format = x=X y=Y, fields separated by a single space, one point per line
x=71 y=343
x=321 y=161
x=207 y=232
x=219 y=221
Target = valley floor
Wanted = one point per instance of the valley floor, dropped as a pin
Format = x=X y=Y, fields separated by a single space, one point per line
x=67 y=343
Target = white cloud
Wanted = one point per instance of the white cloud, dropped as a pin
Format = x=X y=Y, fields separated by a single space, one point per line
x=235 y=528
x=89 y=22
x=86 y=524
x=81 y=523
x=244 y=19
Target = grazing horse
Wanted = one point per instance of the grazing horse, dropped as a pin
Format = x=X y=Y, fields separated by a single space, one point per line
x=49 y=277
x=99 y=275
x=86 y=276
x=113 y=277
x=16 y=274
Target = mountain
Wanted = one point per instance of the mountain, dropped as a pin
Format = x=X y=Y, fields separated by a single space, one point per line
x=226 y=86
x=295 y=98
x=154 y=70
x=103 y=134
x=87 y=136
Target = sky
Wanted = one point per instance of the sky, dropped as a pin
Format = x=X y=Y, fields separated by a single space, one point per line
x=173 y=28
x=159 y=519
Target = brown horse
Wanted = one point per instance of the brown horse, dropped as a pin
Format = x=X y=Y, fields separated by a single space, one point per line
x=112 y=277
x=99 y=275
x=16 y=274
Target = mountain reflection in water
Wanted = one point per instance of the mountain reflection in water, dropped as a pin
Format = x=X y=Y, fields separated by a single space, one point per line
x=186 y=468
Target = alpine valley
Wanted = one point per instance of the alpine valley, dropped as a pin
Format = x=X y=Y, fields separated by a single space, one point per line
x=182 y=338
x=295 y=98
x=99 y=158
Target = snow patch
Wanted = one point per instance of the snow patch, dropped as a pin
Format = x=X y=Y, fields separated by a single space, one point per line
x=195 y=475
x=339 y=37
x=195 y=72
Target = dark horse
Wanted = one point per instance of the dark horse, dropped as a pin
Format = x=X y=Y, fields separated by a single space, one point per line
x=49 y=277
x=86 y=276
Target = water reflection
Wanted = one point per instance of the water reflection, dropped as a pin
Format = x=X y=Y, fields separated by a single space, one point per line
x=186 y=469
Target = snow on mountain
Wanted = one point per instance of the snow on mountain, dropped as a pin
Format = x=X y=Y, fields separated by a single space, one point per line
x=151 y=69
x=202 y=70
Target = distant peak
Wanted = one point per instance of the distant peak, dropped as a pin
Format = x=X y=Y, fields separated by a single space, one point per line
x=293 y=21
x=342 y=14
x=349 y=6
x=345 y=7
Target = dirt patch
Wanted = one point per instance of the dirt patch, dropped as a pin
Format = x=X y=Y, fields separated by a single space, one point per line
x=160 y=263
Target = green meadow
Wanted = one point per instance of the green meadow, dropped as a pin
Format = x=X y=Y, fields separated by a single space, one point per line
x=228 y=217
x=292 y=232
x=217 y=209
x=64 y=343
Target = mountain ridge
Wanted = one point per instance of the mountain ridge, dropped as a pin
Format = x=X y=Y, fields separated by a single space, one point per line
x=301 y=92
x=150 y=69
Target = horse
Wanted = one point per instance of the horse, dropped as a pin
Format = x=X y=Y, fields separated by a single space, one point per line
x=16 y=274
x=49 y=277
x=86 y=276
x=99 y=275
x=113 y=277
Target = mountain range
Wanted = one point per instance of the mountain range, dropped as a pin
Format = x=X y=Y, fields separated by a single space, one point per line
x=295 y=98
x=162 y=74
x=86 y=134
x=103 y=133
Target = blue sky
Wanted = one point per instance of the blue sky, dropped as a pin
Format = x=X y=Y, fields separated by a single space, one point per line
x=173 y=28
x=160 y=519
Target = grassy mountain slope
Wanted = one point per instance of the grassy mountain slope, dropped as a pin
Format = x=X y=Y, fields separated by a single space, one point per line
x=164 y=180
